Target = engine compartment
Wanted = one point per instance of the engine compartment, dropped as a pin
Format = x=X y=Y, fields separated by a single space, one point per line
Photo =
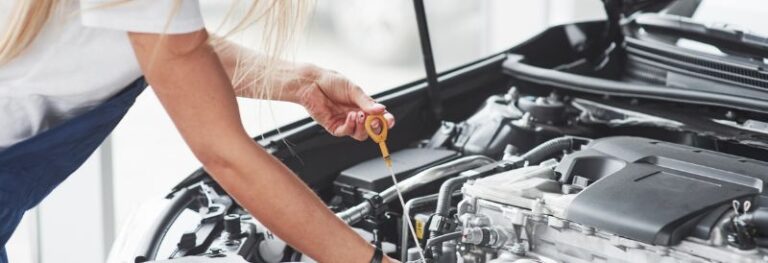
x=484 y=190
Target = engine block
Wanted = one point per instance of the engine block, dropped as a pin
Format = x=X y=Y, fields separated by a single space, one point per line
x=583 y=209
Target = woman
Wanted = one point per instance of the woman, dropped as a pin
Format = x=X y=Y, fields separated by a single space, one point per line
x=71 y=69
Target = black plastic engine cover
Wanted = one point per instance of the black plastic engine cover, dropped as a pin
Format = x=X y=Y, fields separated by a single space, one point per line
x=655 y=192
x=372 y=175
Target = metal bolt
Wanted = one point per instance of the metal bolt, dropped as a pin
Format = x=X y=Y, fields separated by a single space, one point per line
x=512 y=94
x=554 y=96
x=473 y=236
x=216 y=253
x=517 y=249
x=525 y=121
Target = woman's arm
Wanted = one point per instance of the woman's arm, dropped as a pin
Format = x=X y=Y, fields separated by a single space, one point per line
x=194 y=88
x=289 y=77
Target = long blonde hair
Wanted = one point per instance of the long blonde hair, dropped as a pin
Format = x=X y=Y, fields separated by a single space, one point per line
x=281 y=21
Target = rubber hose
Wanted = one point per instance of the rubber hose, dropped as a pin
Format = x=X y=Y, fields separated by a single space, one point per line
x=451 y=185
x=551 y=147
x=446 y=193
x=443 y=238
x=759 y=219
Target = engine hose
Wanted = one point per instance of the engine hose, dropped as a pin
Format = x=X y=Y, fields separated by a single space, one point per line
x=358 y=212
x=749 y=230
x=552 y=147
x=758 y=219
x=451 y=185
x=443 y=238
x=444 y=200
x=446 y=191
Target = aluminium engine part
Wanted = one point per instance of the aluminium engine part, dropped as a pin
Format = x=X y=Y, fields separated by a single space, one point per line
x=440 y=222
x=619 y=199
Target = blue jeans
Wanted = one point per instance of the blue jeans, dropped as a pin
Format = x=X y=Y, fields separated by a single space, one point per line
x=31 y=169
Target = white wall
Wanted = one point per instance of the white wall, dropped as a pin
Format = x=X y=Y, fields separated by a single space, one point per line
x=23 y=246
x=69 y=225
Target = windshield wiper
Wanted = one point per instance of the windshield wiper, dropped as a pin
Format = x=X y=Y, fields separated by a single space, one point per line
x=718 y=35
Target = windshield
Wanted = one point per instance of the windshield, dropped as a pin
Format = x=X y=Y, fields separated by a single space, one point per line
x=747 y=15
x=734 y=29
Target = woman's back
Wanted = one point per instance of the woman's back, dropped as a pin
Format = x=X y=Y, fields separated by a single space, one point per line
x=75 y=63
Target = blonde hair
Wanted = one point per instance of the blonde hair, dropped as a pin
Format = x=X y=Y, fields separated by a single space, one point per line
x=281 y=21
x=26 y=20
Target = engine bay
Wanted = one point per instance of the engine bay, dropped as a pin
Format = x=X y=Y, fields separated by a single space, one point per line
x=487 y=190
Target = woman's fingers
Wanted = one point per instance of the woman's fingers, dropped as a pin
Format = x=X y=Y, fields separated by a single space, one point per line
x=353 y=126
x=360 y=134
x=390 y=119
x=348 y=127
x=365 y=102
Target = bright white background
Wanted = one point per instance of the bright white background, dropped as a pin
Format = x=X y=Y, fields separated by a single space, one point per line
x=374 y=43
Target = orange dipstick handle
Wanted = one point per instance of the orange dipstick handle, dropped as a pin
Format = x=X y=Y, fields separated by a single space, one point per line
x=380 y=138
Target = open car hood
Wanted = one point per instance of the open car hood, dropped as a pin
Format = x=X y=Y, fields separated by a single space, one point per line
x=628 y=7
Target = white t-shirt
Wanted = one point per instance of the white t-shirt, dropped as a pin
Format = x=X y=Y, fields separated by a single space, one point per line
x=80 y=58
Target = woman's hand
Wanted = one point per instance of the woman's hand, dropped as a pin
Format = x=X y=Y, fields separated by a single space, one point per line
x=337 y=104
x=330 y=98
